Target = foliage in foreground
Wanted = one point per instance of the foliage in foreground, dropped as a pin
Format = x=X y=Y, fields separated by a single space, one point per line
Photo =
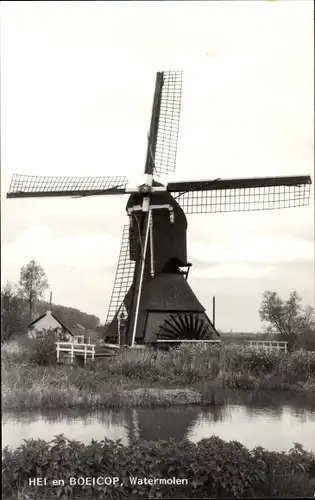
x=213 y=469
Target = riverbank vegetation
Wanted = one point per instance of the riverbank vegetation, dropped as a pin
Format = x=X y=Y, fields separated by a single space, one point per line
x=186 y=375
x=213 y=469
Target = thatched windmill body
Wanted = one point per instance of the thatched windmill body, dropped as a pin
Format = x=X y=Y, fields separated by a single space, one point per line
x=151 y=292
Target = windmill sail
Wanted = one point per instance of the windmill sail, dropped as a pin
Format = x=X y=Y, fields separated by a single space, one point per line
x=163 y=137
x=32 y=186
x=123 y=279
x=239 y=195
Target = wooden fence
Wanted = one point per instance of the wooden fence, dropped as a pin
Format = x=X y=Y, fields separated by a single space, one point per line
x=269 y=345
x=178 y=341
x=165 y=344
x=73 y=349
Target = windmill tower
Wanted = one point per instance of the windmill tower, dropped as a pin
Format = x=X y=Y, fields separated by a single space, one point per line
x=151 y=296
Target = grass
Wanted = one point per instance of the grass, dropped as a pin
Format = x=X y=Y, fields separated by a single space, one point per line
x=212 y=469
x=188 y=375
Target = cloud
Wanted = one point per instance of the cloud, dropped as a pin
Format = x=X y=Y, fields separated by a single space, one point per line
x=234 y=271
x=83 y=252
x=254 y=251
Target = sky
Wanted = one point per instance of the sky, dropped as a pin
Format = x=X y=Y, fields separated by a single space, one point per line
x=77 y=86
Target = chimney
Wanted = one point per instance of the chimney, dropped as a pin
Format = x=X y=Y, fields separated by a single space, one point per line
x=213 y=310
x=50 y=299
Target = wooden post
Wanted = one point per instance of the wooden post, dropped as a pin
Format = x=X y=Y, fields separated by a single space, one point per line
x=58 y=352
x=93 y=352
x=85 y=347
x=72 y=353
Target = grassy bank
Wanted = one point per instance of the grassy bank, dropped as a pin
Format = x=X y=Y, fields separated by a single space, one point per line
x=190 y=374
x=212 y=468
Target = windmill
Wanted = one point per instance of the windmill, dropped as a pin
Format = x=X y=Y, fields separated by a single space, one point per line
x=151 y=297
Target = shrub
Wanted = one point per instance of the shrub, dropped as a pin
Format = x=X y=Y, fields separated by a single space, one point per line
x=13 y=351
x=298 y=366
x=307 y=338
x=42 y=351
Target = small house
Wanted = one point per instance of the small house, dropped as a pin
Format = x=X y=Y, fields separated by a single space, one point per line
x=85 y=335
x=49 y=321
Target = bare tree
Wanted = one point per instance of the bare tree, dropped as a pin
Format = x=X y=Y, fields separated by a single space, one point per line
x=33 y=284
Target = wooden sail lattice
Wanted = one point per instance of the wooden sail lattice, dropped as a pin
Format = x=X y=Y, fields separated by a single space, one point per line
x=123 y=278
x=244 y=199
x=168 y=123
x=36 y=185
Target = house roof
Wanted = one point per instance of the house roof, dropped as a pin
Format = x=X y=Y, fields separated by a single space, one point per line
x=87 y=332
x=64 y=326
x=80 y=326
x=92 y=334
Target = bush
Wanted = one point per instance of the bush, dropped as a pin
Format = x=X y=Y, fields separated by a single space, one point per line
x=307 y=338
x=213 y=469
x=13 y=351
x=42 y=351
x=298 y=366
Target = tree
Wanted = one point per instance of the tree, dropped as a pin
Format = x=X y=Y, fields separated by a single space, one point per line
x=33 y=283
x=289 y=319
x=13 y=311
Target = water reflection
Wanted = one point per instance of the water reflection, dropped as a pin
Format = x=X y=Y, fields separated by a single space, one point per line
x=270 y=429
x=152 y=424
x=272 y=399
x=253 y=420
x=82 y=427
x=272 y=412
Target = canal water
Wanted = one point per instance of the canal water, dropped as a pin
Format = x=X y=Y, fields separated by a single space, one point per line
x=274 y=422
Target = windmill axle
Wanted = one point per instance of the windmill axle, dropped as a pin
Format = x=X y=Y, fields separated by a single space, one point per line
x=145 y=189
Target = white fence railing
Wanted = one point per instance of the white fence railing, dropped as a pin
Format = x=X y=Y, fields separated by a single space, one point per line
x=72 y=349
x=269 y=345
